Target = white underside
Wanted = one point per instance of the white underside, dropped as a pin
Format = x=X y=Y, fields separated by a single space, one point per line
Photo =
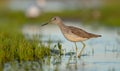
x=74 y=38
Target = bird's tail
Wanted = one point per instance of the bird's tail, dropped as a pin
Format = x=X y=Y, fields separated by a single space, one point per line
x=95 y=36
x=98 y=36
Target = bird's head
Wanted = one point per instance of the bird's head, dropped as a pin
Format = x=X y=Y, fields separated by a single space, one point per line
x=54 y=20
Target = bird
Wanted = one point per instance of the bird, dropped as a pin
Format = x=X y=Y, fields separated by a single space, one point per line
x=71 y=33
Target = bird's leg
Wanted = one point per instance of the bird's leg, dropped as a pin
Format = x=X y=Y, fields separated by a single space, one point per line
x=79 y=55
x=76 y=48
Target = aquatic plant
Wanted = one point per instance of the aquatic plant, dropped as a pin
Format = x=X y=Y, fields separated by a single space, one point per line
x=16 y=47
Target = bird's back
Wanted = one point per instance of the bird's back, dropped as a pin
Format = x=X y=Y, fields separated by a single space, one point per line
x=81 y=33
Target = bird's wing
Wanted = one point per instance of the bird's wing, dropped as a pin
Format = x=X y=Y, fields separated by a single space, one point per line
x=80 y=32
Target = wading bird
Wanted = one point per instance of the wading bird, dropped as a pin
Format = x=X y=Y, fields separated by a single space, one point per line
x=73 y=34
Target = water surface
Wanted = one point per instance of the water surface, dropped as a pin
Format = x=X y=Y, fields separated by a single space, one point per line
x=100 y=54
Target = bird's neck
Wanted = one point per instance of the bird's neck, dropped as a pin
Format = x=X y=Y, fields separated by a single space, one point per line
x=61 y=25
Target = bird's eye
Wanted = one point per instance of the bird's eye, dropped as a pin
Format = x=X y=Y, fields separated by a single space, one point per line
x=53 y=18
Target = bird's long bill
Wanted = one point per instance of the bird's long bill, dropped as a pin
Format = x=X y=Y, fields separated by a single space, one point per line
x=46 y=23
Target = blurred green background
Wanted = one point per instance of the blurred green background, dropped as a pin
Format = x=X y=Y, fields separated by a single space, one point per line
x=104 y=12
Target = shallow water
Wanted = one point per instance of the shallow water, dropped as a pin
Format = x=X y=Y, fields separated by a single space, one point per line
x=100 y=54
